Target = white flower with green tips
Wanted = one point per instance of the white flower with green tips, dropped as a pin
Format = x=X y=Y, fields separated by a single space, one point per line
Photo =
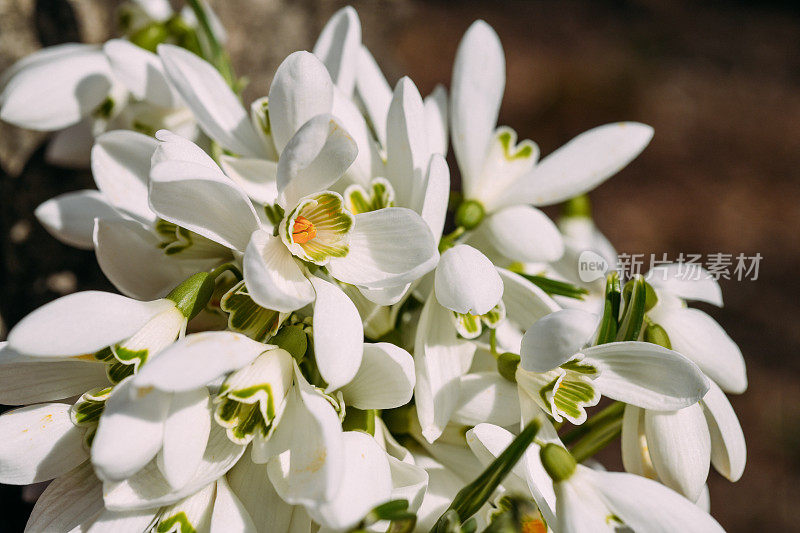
x=564 y=374
x=502 y=179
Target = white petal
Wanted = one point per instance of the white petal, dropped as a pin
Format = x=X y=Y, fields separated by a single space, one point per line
x=374 y=92
x=525 y=302
x=257 y=177
x=82 y=323
x=141 y=72
x=435 y=194
x=555 y=339
x=728 y=448
x=148 y=488
x=646 y=505
x=314 y=158
x=68 y=503
x=524 y=233
x=407 y=152
x=385 y=297
x=337 y=47
x=39 y=442
x=579 y=506
x=198 y=359
x=250 y=483
x=440 y=359
x=130 y=432
x=409 y=482
x=216 y=108
x=25 y=379
x=69 y=217
x=366 y=483
x=202 y=200
x=301 y=89
x=338 y=334
x=698 y=336
x=680 y=448
x=120 y=166
x=310 y=469
x=56 y=90
x=436 y=119
x=487 y=397
x=580 y=165
x=178 y=148
x=443 y=485
x=388 y=247
x=186 y=429
x=122 y=521
x=647 y=375
x=273 y=277
x=72 y=146
x=467 y=282
x=385 y=379
x=635 y=455
x=690 y=282
x=229 y=514
x=130 y=257
x=479 y=78
x=369 y=160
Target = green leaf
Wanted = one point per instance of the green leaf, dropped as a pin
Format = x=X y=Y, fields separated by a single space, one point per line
x=556 y=287
x=610 y=321
x=473 y=496
x=633 y=315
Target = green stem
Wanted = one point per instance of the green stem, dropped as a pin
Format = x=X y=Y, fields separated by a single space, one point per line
x=606 y=416
x=493 y=342
x=470 y=499
x=217 y=54
x=230 y=267
x=590 y=446
x=449 y=240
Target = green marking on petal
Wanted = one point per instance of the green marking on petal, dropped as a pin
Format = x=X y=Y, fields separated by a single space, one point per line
x=87 y=410
x=495 y=315
x=581 y=367
x=178 y=523
x=511 y=151
x=318 y=228
x=360 y=200
x=246 y=316
x=468 y=326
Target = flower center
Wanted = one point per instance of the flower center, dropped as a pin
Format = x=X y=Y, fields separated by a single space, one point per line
x=303 y=230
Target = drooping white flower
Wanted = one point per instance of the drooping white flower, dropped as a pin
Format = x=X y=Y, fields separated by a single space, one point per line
x=692 y=332
x=564 y=374
x=501 y=178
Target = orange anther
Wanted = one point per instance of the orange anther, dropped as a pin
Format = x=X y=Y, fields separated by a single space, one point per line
x=303 y=230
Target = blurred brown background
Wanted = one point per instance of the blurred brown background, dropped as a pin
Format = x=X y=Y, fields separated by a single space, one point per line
x=719 y=82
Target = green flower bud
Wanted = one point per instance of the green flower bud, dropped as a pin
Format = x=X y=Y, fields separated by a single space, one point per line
x=507 y=365
x=657 y=335
x=558 y=462
x=150 y=36
x=580 y=206
x=292 y=339
x=193 y=294
x=470 y=214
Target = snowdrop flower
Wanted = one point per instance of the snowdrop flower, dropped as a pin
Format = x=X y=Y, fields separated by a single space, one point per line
x=692 y=332
x=374 y=250
x=563 y=373
x=143 y=256
x=676 y=447
x=469 y=293
x=501 y=177
x=89 y=89
x=593 y=500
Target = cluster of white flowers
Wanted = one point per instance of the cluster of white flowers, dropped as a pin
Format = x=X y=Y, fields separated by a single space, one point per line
x=302 y=347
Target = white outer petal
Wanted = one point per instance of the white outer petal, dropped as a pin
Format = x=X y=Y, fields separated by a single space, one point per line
x=680 y=448
x=337 y=47
x=466 y=281
x=69 y=503
x=555 y=338
x=186 y=430
x=479 y=79
x=487 y=397
x=374 y=92
x=216 y=108
x=338 y=334
x=384 y=380
x=524 y=233
x=39 y=443
x=82 y=323
x=141 y=72
x=728 y=448
x=69 y=217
